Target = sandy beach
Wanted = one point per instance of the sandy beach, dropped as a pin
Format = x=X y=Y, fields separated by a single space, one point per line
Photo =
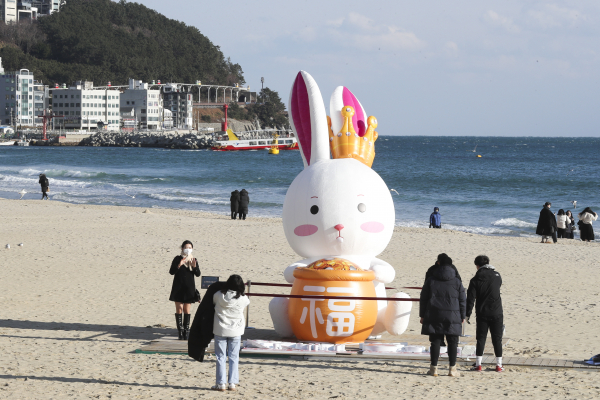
x=90 y=285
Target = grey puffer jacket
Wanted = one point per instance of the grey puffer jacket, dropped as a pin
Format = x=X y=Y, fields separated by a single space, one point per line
x=443 y=303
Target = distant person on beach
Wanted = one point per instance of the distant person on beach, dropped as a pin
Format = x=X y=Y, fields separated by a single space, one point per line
x=586 y=218
x=546 y=226
x=235 y=203
x=570 y=228
x=45 y=186
x=435 y=219
x=228 y=327
x=244 y=201
x=484 y=293
x=183 y=291
x=562 y=221
x=442 y=310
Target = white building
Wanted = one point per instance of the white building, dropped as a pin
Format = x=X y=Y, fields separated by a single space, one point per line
x=177 y=99
x=16 y=91
x=167 y=119
x=146 y=103
x=8 y=10
x=86 y=107
x=19 y=10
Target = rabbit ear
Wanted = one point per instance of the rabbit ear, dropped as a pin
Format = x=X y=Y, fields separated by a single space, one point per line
x=342 y=96
x=309 y=119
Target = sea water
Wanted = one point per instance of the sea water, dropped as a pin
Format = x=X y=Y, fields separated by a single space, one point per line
x=499 y=193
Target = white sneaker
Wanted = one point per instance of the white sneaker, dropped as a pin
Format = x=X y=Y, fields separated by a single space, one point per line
x=231 y=386
x=221 y=388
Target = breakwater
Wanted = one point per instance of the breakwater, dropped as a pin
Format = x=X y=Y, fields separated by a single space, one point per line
x=169 y=140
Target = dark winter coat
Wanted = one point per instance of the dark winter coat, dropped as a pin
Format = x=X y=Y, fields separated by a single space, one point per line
x=184 y=287
x=484 y=293
x=433 y=267
x=443 y=303
x=244 y=200
x=235 y=200
x=547 y=223
x=44 y=183
x=201 y=332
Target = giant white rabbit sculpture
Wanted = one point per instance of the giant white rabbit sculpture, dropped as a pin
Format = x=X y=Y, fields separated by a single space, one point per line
x=338 y=207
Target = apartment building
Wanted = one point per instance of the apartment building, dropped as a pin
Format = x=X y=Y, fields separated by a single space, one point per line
x=16 y=92
x=13 y=10
x=8 y=10
x=146 y=104
x=41 y=96
x=178 y=99
x=85 y=107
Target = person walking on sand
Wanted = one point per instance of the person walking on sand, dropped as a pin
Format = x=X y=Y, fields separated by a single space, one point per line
x=235 y=203
x=435 y=219
x=45 y=185
x=228 y=327
x=244 y=201
x=570 y=228
x=562 y=221
x=586 y=218
x=183 y=292
x=484 y=293
x=546 y=226
x=442 y=310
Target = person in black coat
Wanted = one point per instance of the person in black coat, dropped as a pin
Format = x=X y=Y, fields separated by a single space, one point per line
x=201 y=332
x=443 y=258
x=546 y=226
x=244 y=201
x=183 y=292
x=45 y=185
x=235 y=203
x=442 y=311
x=484 y=293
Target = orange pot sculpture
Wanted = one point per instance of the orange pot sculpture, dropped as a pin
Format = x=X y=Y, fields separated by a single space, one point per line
x=333 y=321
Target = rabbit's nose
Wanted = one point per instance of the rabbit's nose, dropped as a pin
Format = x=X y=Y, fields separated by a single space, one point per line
x=339 y=227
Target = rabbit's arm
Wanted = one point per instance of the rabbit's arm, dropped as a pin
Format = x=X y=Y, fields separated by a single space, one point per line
x=384 y=272
x=288 y=274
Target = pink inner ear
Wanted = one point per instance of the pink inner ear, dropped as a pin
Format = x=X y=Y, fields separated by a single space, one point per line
x=372 y=227
x=301 y=115
x=358 y=119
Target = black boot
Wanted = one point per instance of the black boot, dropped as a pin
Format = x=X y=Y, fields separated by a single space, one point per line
x=186 y=326
x=179 y=326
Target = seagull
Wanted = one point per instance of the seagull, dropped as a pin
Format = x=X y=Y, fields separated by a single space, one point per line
x=574 y=202
x=22 y=193
x=475 y=148
x=571 y=171
x=133 y=197
x=394 y=190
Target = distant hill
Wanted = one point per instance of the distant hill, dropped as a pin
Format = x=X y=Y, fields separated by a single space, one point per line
x=101 y=41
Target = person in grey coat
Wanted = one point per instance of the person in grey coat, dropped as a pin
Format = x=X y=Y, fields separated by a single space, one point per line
x=244 y=201
x=443 y=310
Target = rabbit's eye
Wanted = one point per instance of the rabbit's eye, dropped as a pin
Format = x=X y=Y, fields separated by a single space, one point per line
x=362 y=207
x=314 y=210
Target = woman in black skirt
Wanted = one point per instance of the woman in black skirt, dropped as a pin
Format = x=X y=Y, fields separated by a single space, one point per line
x=184 y=292
x=586 y=218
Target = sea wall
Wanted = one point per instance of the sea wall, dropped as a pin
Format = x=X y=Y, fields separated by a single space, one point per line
x=169 y=140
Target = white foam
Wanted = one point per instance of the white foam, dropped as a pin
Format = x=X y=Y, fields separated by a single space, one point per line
x=188 y=199
x=514 y=222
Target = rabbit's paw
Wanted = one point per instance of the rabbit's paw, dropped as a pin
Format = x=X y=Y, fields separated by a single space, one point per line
x=397 y=314
x=383 y=272
x=288 y=273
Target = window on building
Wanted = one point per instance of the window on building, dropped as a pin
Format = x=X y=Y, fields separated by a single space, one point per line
x=143 y=111
x=73 y=104
x=77 y=104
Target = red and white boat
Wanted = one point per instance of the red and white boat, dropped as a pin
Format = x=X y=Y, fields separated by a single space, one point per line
x=233 y=143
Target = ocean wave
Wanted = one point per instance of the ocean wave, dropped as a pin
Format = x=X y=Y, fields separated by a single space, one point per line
x=60 y=172
x=480 y=230
x=34 y=181
x=514 y=222
x=188 y=199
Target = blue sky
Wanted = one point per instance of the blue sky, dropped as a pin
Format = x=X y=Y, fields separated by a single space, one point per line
x=501 y=68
